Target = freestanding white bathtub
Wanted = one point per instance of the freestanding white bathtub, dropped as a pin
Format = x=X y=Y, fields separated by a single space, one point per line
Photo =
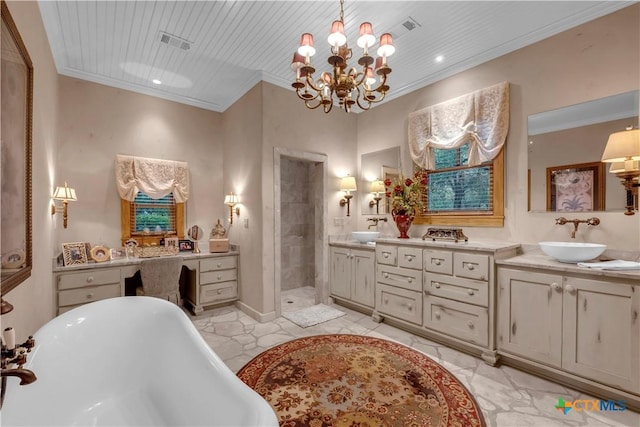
x=136 y=361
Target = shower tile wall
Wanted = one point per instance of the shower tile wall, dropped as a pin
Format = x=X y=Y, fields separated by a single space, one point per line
x=298 y=224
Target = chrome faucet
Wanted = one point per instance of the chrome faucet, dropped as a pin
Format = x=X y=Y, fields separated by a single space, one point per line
x=15 y=355
x=590 y=221
x=375 y=221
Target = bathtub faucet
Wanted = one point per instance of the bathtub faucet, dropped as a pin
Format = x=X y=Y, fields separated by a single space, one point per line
x=590 y=221
x=14 y=355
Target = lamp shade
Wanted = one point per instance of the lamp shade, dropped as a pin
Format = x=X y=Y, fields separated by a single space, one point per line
x=366 y=39
x=348 y=183
x=386 y=48
x=231 y=199
x=622 y=146
x=337 y=36
x=306 y=45
x=377 y=187
x=65 y=193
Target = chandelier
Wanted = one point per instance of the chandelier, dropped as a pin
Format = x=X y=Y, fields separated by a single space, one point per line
x=348 y=85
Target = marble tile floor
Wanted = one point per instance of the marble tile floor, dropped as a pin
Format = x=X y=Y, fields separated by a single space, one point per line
x=507 y=396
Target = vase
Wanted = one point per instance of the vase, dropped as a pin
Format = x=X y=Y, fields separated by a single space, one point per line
x=403 y=222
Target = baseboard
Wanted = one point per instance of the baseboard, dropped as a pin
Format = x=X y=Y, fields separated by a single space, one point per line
x=254 y=314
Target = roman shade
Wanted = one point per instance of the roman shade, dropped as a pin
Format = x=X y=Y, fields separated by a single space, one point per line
x=480 y=118
x=154 y=177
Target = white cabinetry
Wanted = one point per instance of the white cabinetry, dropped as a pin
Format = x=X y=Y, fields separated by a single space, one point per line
x=77 y=288
x=352 y=275
x=584 y=326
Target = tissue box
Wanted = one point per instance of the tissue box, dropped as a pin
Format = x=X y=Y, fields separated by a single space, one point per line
x=218 y=245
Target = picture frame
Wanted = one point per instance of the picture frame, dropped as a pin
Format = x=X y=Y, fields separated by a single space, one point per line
x=100 y=254
x=118 y=253
x=74 y=253
x=171 y=242
x=185 y=245
x=576 y=188
x=17 y=124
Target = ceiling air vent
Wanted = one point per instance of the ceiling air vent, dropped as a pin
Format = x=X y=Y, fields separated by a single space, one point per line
x=175 y=41
x=408 y=24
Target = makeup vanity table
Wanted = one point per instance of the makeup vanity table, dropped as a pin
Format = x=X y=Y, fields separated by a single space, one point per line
x=211 y=279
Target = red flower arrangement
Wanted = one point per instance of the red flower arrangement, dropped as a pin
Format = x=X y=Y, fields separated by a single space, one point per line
x=406 y=193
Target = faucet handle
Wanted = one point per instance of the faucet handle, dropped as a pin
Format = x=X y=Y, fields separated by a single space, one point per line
x=593 y=221
x=561 y=221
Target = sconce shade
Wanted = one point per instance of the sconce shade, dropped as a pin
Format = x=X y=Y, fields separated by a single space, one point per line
x=621 y=167
x=622 y=146
x=377 y=187
x=348 y=183
x=231 y=199
x=65 y=193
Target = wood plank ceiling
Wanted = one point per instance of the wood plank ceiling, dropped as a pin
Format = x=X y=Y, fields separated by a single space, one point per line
x=215 y=51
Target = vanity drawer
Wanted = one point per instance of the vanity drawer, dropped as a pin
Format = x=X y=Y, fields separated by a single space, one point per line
x=387 y=255
x=401 y=277
x=456 y=288
x=218 y=292
x=438 y=261
x=88 y=294
x=221 y=263
x=88 y=278
x=410 y=258
x=218 y=276
x=463 y=321
x=399 y=303
x=473 y=266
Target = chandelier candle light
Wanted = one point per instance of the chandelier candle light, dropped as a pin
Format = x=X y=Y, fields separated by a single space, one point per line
x=349 y=86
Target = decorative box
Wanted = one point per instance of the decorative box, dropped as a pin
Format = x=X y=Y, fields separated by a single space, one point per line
x=218 y=245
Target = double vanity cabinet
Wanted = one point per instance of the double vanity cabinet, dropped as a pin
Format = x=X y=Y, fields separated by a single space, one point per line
x=571 y=324
x=210 y=279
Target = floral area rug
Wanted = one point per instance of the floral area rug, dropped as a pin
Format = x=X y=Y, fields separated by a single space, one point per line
x=353 y=380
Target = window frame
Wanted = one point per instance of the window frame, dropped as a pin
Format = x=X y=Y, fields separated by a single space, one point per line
x=462 y=218
x=152 y=239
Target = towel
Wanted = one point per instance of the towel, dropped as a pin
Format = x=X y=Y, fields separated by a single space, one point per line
x=616 y=264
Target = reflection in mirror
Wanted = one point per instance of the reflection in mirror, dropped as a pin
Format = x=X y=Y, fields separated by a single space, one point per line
x=561 y=142
x=372 y=169
x=17 y=107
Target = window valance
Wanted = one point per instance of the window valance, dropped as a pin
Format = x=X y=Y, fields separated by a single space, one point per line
x=154 y=177
x=480 y=117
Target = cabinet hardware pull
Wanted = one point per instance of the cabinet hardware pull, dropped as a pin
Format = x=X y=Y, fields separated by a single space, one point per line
x=219 y=265
x=470 y=324
x=410 y=280
x=386 y=255
x=436 y=285
x=470 y=292
x=90 y=295
x=219 y=291
x=409 y=307
x=219 y=277
x=584 y=304
x=385 y=275
x=409 y=258
x=436 y=262
x=437 y=314
x=470 y=267
x=556 y=286
x=513 y=328
x=89 y=279
x=570 y=289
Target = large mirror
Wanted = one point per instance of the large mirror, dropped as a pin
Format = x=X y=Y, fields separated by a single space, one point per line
x=564 y=151
x=17 y=102
x=376 y=166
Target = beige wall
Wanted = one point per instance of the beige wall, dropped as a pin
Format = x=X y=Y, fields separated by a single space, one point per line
x=591 y=61
x=33 y=299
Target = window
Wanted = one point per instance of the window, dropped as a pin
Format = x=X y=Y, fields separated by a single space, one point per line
x=148 y=220
x=459 y=194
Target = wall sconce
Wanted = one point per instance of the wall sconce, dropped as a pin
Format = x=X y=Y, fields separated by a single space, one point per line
x=232 y=200
x=348 y=184
x=623 y=152
x=67 y=195
x=377 y=187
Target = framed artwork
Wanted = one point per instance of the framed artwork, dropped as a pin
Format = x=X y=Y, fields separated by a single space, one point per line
x=74 y=253
x=100 y=254
x=17 y=111
x=185 y=245
x=171 y=242
x=118 y=253
x=576 y=188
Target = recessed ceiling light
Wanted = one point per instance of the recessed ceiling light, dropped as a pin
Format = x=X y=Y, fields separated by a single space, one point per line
x=439 y=58
x=156 y=82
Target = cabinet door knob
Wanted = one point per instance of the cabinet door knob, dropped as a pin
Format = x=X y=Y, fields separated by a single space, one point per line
x=89 y=279
x=437 y=314
x=219 y=277
x=409 y=307
x=410 y=280
x=436 y=285
x=556 y=286
x=470 y=324
x=219 y=265
x=470 y=267
x=219 y=291
x=436 y=262
x=90 y=295
x=470 y=291
x=385 y=275
x=570 y=289
x=386 y=255
x=409 y=258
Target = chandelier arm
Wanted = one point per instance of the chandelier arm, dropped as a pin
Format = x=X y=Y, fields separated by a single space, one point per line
x=312 y=85
x=312 y=107
x=358 y=97
x=383 y=81
x=306 y=99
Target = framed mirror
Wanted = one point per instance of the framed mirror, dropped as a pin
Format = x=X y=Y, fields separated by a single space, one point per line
x=564 y=151
x=376 y=166
x=17 y=108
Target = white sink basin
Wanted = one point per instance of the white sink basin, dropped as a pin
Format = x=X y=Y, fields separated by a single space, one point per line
x=365 y=236
x=572 y=251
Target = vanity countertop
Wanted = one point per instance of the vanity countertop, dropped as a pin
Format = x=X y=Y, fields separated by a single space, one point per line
x=353 y=244
x=496 y=246
x=537 y=259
